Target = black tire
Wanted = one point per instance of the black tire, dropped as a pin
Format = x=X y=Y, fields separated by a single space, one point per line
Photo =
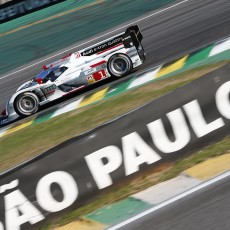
x=26 y=104
x=119 y=65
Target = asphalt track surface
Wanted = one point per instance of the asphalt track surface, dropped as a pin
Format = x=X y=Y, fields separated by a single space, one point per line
x=62 y=25
x=207 y=208
x=167 y=35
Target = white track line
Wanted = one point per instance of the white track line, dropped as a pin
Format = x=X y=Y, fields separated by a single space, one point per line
x=170 y=201
x=84 y=43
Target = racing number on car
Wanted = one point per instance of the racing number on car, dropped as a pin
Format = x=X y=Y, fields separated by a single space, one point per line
x=103 y=74
x=96 y=76
x=99 y=75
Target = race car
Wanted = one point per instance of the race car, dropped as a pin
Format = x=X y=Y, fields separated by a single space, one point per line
x=114 y=57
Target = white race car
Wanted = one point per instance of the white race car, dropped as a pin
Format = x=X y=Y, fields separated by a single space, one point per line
x=114 y=57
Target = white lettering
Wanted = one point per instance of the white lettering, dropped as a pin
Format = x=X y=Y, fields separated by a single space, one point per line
x=180 y=130
x=1 y=226
x=197 y=121
x=222 y=100
x=137 y=152
x=68 y=186
x=101 y=171
x=16 y=203
x=11 y=185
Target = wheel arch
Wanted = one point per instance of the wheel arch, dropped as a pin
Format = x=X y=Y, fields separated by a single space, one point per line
x=19 y=94
x=117 y=55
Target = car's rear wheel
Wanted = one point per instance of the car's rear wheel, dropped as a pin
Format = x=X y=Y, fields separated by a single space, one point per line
x=26 y=104
x=119 y=65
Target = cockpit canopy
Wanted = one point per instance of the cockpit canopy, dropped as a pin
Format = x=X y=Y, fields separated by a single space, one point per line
x=50 y=74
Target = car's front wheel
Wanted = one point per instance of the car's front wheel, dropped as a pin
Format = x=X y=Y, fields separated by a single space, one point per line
x=119 y=65
x=26 y=104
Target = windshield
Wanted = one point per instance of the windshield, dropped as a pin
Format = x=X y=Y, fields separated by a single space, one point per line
x=50 y=74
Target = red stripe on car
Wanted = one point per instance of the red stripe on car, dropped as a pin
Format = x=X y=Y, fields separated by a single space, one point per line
x=51 y=92
x=97 y=64
x=65 y=57
x=73 y=91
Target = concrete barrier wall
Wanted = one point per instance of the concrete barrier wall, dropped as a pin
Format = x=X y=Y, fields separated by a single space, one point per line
x=16 y=8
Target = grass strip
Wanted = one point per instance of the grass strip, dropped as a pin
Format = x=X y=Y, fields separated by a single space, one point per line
x=41 y=137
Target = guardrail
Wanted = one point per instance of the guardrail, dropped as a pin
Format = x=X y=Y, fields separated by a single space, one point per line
x=163 y=130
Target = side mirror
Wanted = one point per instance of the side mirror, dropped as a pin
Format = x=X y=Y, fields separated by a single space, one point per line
x=39 y=80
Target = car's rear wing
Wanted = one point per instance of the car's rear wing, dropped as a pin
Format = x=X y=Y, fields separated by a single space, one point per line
x=131 y=37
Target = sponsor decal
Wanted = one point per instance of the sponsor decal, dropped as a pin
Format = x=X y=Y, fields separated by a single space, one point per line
x=90 y=79
x=100 y=75
x=90 y=71
x=107 y=45
x=49 y=90
x=77 y=55
x=4 y=120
